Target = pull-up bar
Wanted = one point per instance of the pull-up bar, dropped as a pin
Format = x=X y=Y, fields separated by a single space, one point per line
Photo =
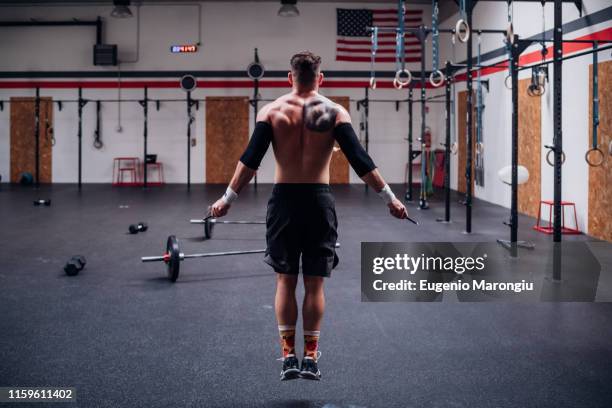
x=580 y=54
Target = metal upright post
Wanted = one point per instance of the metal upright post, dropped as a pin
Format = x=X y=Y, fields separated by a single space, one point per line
x=557 y=122
x=514 y=154
x=447 y=143
x=80 y=136
x=518 y=46
x=189 y=103
x=366 y=107
x=558 y=136
x=469 y=106
x=145 y=105
x=423 y=205
x=255 y=104
x=409 y=191
x=37 y=136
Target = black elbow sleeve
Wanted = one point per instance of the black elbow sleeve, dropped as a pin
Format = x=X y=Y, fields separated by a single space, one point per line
x=258 y=145
x=359 y=159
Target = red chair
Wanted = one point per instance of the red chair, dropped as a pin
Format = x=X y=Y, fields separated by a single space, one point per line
x=549 y=229
x=158 y=170
x=126 y=167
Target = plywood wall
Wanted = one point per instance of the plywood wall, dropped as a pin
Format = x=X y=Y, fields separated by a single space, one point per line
x=530 y=155
x=339 y=168
x=462 y=140
x=227 y=134
x=600 y=178
x=23 y=141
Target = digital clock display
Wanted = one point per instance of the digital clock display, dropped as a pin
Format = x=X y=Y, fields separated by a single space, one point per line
x=185 y=48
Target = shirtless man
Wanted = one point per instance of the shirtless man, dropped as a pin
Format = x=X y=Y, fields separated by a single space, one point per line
x=301 y=220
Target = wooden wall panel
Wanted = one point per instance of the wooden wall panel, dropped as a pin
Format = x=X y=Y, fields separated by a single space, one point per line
x=600 y=178
x=339 y=168
x=530 y=155
x=462 y=140
x=227 y=134
x=23 y=142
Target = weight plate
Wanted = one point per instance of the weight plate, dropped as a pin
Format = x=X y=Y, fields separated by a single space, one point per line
x=72 y=268
x=188 y=83
x=255 y=70
x=80 y=259
x=174 y=255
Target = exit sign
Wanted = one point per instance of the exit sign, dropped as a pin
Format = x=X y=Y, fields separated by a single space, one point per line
x=185 y=48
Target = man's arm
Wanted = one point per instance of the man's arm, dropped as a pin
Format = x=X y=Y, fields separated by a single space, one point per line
x=248 y=164
x=242 y=176
x=363 y=164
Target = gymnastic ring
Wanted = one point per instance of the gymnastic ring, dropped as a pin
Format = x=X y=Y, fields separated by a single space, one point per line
x=432 y=78
x=510 y=34
x=462 y=26
x=535 y=90
x=454 y=148
x=550 y=161
x=594 y=163
x=530 y=90
x=373 y=82
x=506 y=82
x=398 y=83
x=479 y=147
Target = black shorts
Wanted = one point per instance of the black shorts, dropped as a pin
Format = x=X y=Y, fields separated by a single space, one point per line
x=301 y=221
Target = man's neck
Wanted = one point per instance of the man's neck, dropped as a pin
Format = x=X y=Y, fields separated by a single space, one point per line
x=304 y=92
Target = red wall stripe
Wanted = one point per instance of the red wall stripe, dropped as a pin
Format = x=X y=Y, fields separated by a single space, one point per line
x=380 y=83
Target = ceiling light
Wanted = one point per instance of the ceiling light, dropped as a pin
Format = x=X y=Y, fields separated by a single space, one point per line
x=121 y=9
x=288 y=9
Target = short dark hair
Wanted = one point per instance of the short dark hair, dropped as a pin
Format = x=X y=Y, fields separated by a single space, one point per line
x=305 y=67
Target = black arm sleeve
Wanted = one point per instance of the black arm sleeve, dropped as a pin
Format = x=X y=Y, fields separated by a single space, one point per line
x=359 y=159
x=258 y=145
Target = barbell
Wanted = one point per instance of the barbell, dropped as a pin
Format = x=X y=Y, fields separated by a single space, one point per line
x=173 y=256
x=210 y=222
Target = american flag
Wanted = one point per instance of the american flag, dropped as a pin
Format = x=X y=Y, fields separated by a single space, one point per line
x=353 y=42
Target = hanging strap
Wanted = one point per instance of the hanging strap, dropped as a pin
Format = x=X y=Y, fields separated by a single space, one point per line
x=595 y=157
x=454 y=146
x=399 y=37
x=402 y=75
x=595 y=96
x=479 y=104
x=509 y=33
x=97 y=143
x=436 y=78
x=373 y=57
x=435 y=36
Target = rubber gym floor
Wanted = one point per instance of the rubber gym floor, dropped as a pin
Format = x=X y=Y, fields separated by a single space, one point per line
x=123 y=335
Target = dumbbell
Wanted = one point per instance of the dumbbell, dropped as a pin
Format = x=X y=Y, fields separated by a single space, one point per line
x=140 y=227
x=40 y=201
x=75 y=265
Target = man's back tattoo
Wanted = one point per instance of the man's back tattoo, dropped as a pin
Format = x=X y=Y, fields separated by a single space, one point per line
x=319 y=115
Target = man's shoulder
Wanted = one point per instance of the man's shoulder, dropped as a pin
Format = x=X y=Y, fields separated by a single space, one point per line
x=279 y=103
